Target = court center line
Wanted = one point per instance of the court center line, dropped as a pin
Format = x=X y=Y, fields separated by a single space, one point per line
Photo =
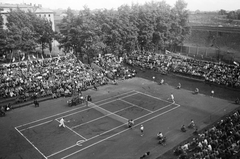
x=94 y=107
x=74 y=131
x=118 y=133
x=112 y=113
x=153 y=97
x=30 y=143
x=72 y=109
x=36 y=125
x=136 y=105
x=119 y=126
x=133 y=119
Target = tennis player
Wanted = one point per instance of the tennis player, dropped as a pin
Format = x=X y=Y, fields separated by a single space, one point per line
x=141 y=129
x=62 y=121
x=130 y=123
x=172 y=98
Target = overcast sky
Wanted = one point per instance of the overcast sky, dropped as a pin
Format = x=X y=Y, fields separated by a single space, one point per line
x=202 y=5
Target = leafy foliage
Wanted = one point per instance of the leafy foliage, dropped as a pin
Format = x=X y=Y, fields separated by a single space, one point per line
x=25 y=32
x=152 y=26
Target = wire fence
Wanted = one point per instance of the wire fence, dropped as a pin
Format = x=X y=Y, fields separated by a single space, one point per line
x=208 y=54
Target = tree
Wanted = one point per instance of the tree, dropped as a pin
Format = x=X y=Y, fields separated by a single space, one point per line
x=20 y=34
x=222 y=12
x=43 y=31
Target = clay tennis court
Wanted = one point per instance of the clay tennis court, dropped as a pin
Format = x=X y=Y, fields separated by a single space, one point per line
x=100 y=130
x=92 y=125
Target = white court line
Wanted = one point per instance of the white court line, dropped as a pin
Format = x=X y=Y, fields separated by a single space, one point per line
x=72 y=109
x=31 y=143
x=136 y=105
x=115 y=128
x=61 y=150
x=118 y=133
x=36 y=125
x=74 y=131
x=95 y=106
x=153 y=97
x=100 y=117
x=125 y=124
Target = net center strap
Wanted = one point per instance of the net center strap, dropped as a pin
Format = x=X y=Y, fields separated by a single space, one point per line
x=108 y=113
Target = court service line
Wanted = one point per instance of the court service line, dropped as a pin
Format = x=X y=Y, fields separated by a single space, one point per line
x=136 y=105
x=74 y=131
x=101 y=117
x=95 y=106
x=72 y=109
x=117 y=127
x=36 y=125
x=153 y=97
x=118 y=133
x=61 y=150
x=30 y=143
x=133 y=119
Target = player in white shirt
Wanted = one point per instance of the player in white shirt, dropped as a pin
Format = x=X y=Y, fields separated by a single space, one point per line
x=62 y=123
x=172 y=98
x=141 y=129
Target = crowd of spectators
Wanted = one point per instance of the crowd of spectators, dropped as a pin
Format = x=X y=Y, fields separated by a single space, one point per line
x=222 y=141
x=113 y=67
x=59 y=76
x=218 y=73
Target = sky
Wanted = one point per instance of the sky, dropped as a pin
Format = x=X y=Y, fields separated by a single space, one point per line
x=193 y=5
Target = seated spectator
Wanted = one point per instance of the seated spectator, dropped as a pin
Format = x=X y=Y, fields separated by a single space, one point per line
x=145 y=155
x=183 y=128
x=179 y=86
x=162 y=82
x=196 y=91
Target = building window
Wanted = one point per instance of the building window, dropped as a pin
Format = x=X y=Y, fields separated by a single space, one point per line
x=49 y=15
x=44 y=15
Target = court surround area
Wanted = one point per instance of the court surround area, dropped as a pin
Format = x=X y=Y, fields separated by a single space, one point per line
x=93 y=124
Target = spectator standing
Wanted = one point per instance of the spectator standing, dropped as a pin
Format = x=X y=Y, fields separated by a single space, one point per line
x=171 y=98
x=212 y=93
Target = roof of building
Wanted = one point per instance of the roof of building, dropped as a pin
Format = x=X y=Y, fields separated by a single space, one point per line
x=6 y=5
x=43 y=10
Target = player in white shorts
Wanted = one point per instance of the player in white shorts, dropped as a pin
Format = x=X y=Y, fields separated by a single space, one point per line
x=141 y=129
x=62 y=123
x=172 y=98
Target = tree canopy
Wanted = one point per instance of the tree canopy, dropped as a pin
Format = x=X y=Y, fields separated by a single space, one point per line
x=25 y=32
x=152 y=26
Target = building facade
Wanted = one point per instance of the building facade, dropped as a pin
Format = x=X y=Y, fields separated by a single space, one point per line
x=37 y=9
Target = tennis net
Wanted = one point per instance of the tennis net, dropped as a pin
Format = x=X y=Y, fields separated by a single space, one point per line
x=108 y=113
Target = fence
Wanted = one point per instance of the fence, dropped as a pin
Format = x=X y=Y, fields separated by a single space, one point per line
x=206 y=53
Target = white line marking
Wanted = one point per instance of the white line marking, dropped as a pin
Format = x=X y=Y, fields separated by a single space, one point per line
x=94 y=106
x=135 y=105
x=114 y=128
x=125 y=124
x=153 y=97
x=36 y=125
x=74 y=131
x=118 y=133
x=31 y=143
x=73 y=109
x=112 y=113
x=61 y=150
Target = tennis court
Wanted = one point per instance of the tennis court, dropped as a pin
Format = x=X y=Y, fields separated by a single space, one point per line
x=90 y=125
